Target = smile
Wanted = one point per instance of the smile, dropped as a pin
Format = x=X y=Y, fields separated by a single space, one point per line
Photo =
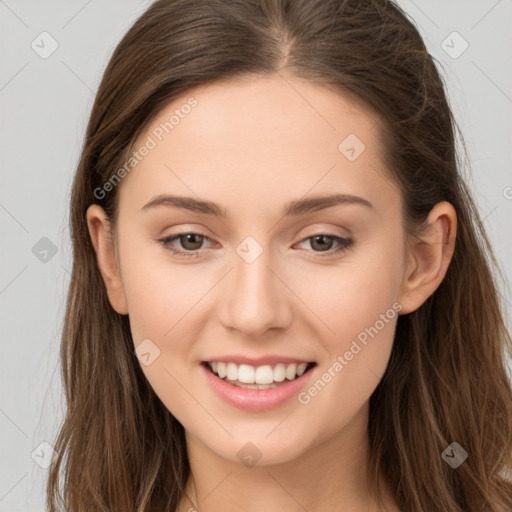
x=257 y=377
x=257 y=388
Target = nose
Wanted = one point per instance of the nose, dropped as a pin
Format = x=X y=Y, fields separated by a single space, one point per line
x=256 y=298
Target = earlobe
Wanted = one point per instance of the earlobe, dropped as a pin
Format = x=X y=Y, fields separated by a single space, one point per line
x=429 y=257
x=99 y=231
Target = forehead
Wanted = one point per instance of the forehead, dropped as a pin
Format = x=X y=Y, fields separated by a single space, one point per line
x=276 y=135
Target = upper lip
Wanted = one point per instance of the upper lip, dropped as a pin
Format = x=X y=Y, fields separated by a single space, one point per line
x=257 y=361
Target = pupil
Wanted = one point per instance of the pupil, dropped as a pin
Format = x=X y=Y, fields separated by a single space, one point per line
x=190 y=238
x=321 y=237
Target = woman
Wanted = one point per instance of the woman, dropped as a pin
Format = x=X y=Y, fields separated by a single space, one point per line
x=216 y=355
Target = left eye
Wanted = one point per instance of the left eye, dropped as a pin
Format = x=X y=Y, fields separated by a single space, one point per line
x=344 y=243
x=195 y=240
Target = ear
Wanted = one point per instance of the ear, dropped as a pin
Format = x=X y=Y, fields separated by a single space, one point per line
x=429 y=257
x=99 y=230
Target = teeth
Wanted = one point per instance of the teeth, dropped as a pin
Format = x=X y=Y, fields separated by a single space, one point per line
x=291 y=371
x=301 y=368
x=260 y=377
x=246 y=374
x=264 y=375
x=231 y=371
x=254 y=386
x=221 y=370
x=279 y=372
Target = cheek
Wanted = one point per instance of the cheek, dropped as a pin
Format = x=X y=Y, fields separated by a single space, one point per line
x=352 y=295
x=358 y=304
x=161 y=298
x=159 y=293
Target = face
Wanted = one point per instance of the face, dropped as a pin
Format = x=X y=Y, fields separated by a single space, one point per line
x=283 y=277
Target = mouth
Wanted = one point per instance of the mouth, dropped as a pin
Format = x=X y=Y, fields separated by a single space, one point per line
x=258 y=377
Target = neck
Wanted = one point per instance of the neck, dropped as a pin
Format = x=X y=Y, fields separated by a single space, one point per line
x=331 y=475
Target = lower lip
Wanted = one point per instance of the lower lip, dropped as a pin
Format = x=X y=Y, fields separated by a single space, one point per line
x=256 y=399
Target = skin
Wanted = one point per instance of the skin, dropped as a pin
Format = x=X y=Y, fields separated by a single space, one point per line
x=252 y=146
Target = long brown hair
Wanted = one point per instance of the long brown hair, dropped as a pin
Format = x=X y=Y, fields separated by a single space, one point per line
x=119 y=449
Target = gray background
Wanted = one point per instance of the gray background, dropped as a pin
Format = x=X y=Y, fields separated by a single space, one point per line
x=45 y=101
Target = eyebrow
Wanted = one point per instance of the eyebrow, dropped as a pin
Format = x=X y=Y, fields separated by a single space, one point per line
x=296 y=207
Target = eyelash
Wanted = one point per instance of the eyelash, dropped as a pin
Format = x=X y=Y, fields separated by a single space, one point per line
x=346 y=243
